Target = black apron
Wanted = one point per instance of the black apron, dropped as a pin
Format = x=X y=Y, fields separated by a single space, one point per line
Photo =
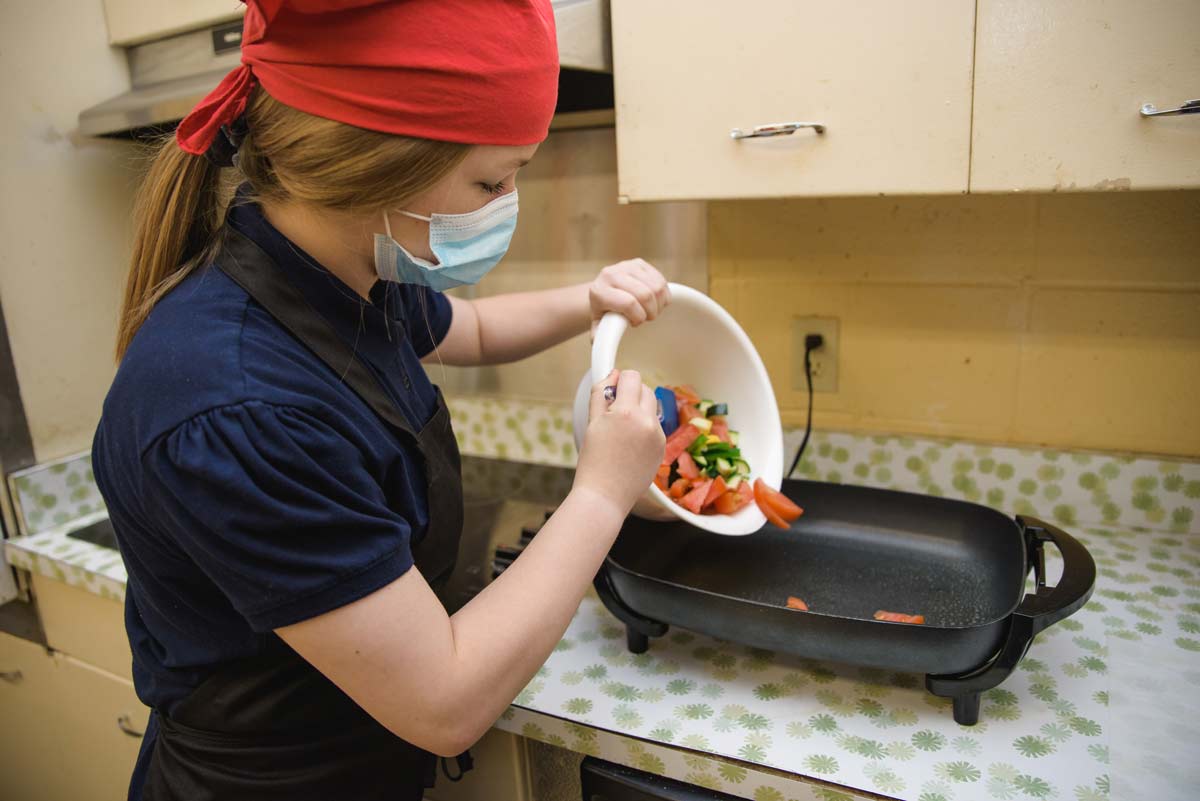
x=273 y=727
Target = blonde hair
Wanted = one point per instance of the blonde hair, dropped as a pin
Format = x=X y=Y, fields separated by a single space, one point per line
x=286 y=155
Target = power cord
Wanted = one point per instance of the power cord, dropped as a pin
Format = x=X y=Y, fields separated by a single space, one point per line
x=811 y=343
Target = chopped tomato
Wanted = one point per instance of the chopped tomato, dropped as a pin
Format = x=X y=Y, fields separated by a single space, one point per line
x=780 y=503
x=772 y=516
x=694 y=500
x=687 y=467
x=660 y=478
x=687 y=393
x=715 y=491
x=795 y=603
x=679 y=488
x=720 y=429
x=727 y=504
x=686 y=412
x=678 y=442
x=899 y=617
x=732 y=500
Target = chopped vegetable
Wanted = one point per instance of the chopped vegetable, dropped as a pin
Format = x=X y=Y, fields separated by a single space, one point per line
x=661 y=477
x=899 y=617
x=686 y=467
x=694 y=500
x=705 y=469
x=715 y=491
x=778 y=509
x=795 y=603
x=677 y=443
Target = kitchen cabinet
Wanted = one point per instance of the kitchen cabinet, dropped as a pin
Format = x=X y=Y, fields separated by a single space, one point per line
x=890 y=82
x=84 y=625
x=134 y=21
x=72 y=730
x=1058 y=87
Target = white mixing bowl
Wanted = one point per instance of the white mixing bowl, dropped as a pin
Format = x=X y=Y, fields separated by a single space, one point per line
x=696 y=342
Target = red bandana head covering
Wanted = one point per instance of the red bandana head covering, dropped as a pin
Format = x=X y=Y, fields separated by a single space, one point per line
x=479 y=72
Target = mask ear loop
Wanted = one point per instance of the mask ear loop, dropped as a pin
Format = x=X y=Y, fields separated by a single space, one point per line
x=424 y=309
x=436 y=350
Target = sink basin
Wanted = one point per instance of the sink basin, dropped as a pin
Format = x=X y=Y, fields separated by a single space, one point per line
x=98 y=533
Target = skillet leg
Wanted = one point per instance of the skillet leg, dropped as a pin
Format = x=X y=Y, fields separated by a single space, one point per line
x=637 y=642
x=966 y=709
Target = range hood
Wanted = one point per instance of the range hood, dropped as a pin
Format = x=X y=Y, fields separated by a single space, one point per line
x=169 y=76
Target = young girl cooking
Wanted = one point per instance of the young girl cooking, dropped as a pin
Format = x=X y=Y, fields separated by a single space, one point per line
x=281 y=474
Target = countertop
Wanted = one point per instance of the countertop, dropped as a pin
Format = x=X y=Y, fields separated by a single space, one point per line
x=1105 y=704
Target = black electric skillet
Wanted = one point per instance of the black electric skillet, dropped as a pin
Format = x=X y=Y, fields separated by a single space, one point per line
x=857 y=550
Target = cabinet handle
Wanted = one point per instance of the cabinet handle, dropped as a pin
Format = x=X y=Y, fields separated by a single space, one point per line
x=12 y=676
x=123 y=725
x=776 y=129
x=1189 y=107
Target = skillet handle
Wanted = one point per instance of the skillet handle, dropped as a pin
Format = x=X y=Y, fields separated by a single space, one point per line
x=1048 y=605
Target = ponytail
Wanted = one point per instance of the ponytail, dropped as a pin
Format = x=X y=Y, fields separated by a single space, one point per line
x=286 y=155
x=175 y=218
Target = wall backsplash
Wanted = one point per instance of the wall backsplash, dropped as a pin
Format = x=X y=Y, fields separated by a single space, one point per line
x=571 y=226
x=1068 y=320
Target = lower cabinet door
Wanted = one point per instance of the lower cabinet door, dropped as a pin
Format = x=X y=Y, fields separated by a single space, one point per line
x=72 y=731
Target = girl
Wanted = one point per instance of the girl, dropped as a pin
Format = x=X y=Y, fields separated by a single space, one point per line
x=281 y=474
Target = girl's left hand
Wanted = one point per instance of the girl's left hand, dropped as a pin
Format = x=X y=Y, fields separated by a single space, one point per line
x=633 y=288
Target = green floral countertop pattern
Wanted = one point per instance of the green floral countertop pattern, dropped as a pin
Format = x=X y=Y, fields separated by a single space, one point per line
x=1102 y=706
x=1054 y=729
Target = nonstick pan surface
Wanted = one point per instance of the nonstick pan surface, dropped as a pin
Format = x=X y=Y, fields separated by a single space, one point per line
x=856 y=550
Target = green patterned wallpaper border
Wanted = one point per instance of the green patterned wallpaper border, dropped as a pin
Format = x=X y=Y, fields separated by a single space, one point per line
x=54 y=493
x=1071 y=488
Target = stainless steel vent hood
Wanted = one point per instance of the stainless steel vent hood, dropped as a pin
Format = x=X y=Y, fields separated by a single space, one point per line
x=170 y=75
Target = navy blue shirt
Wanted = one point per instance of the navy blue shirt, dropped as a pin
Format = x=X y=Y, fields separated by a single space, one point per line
x=249 y=487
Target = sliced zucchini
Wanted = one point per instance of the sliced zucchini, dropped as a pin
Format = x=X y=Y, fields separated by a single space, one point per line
x=724 y=467
x=702 y=423
x=700 y=460
x=704 y=406
x=733 y=437
x=733 y=482
x=742 y=468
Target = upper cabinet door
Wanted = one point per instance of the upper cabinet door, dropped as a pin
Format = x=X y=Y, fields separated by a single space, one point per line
x=1059 y=85
x=889 y=81
x=134 y=21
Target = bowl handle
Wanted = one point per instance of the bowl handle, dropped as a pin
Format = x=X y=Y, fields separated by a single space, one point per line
x=604 y=346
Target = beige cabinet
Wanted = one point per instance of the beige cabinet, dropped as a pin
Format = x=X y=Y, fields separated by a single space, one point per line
x=134 y=21
x=72 y=731
x=1058 y=87
x=891 y=83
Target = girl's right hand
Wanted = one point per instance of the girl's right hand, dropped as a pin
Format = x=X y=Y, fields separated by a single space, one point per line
x=624 y=442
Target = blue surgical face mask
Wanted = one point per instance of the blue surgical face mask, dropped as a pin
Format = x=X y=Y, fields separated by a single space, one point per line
x=467 y=246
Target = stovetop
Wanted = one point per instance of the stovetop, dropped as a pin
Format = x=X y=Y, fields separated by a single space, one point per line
x=505 y=504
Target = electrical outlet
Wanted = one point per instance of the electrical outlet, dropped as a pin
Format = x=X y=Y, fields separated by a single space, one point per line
x=824 y=359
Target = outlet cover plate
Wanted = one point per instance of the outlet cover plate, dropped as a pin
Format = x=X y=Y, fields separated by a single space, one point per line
x=824 y=359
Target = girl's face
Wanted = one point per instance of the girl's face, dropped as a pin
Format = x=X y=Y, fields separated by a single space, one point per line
x=487 y=172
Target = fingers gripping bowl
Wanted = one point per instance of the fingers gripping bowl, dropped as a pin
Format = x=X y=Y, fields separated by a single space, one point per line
x=695 y=341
